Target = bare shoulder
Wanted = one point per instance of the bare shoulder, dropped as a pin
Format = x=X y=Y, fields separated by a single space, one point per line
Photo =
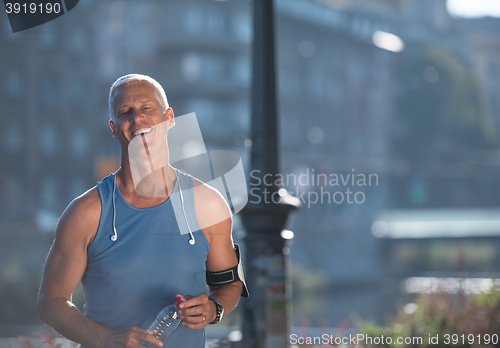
x=80 y=219
x=209 y=196
x=67 y=258
x=212 y=210
x=214 y=217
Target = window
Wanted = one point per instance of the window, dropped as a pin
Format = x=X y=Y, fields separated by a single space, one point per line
x=240 y=114
x=76 y=188
x=13 y=138
x=78 y=42
x=190 y=66
x=79 y=143
x=205 y=66
x=211 y=66
x=314 y=84
x=335 y=92
x=48 y=194
x=79 y=95
x=241 y=71
x=355 y=70
x=48 y=141
x=13 y=83
x=107 y=63
x=215 y=22
x=205 y=109
x=48 y=90
x=48 y=36
x=194 y=20
x=241 y=27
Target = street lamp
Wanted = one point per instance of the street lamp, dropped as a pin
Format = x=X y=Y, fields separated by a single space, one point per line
x=266 y=315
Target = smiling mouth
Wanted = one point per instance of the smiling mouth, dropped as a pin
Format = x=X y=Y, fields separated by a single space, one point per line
x=141 y=131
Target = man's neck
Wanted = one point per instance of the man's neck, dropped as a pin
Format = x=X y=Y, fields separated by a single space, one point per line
x=157 y=184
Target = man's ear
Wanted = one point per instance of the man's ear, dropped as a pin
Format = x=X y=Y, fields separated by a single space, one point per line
x=169 y=113
x=113 y=129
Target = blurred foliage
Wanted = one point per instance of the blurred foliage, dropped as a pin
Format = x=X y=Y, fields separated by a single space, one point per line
x=440 y=105
x=441 y=315
x=455 y=320
x=306 y=281
x=307 y=286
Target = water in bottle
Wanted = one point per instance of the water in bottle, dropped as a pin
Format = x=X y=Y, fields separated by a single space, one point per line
x=166 y=321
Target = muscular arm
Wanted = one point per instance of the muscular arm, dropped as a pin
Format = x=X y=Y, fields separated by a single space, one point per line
x=64 y=268
x=221 y=257
x=215 y=219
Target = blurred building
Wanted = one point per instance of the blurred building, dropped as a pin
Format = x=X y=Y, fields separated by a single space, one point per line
x=482 y=34
x=338 y=105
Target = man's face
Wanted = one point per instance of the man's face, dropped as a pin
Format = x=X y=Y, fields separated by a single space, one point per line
x=136 y=108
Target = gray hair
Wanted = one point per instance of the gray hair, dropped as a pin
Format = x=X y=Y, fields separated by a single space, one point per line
x=124 y=80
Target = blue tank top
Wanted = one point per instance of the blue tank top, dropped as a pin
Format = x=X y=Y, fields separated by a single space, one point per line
x=127 y=282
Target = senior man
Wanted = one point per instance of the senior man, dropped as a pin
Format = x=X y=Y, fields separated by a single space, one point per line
x=127 y=248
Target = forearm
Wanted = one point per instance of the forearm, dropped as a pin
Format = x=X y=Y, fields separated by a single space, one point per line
x=65 y=318
x=227 y=295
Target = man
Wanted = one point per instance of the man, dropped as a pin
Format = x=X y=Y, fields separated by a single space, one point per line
x=127 y=249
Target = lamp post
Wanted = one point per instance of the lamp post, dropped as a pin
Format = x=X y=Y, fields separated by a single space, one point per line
x=266 y=319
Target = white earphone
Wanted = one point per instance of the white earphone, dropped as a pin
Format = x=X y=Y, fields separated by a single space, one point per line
x=114 y=237
x=191 y=235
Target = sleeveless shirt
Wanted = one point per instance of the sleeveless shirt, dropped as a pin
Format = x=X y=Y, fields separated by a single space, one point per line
x=127 y=282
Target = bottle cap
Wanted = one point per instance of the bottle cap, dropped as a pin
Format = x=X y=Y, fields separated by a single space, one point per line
x=179 y=301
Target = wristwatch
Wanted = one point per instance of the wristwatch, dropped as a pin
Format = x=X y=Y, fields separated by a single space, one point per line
x=220 y=311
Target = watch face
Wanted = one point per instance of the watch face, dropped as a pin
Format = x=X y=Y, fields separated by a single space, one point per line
x=220 y=311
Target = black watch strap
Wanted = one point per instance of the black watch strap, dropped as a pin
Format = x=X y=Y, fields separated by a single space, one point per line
x=219 y=309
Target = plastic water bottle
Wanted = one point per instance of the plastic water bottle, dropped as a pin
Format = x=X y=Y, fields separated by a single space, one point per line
x=166 y=321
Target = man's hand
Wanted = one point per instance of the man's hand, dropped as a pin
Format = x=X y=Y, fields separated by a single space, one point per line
x=197 y=312
x=129 y=338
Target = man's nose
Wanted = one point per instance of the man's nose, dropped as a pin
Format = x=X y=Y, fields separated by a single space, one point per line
x=135 y=115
